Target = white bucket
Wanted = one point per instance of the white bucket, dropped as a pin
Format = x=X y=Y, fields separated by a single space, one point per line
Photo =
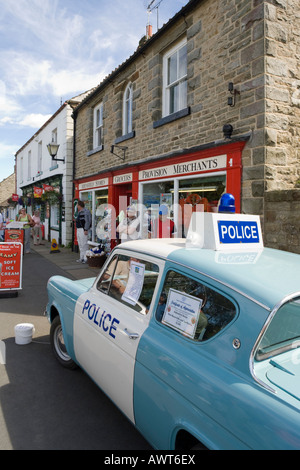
x=23 y=333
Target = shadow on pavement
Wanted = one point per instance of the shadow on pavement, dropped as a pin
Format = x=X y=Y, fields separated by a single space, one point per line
x=48 y=407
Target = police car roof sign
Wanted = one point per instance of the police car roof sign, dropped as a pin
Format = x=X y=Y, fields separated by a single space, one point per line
x=225 y=232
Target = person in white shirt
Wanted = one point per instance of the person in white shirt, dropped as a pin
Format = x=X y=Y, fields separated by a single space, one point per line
x=129 y=227
x=37 y=229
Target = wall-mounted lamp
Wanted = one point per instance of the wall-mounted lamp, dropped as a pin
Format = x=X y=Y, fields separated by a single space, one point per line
x=227 y=131
x=122 y=157
x=234 y=92
x=53 y=149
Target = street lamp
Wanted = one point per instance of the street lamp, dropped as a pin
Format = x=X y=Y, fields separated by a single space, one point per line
x=53 y=149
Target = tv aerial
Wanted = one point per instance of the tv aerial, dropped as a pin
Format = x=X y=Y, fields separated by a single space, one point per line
x=154 y=5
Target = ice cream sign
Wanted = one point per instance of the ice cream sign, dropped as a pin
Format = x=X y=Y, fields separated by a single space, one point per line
x=10 y=266
x=225 y=232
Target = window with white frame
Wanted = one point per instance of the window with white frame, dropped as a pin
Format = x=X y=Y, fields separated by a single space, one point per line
x=175 y=79
x=40 y=156
x=54 y=136
x=98 y=126
x=22 y=170
x=127 y=110
x=29 y=166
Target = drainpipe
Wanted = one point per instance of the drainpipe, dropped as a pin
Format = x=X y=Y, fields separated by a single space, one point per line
x=74 y=117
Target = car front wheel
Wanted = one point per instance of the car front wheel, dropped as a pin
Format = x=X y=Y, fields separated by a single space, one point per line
x=58 y=345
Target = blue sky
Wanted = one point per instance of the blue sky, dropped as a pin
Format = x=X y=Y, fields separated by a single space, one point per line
x=52 y=50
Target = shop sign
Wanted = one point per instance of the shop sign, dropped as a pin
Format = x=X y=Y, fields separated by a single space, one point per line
x=37 y=192
x=11 y=266
x=181 y=169
x=14 y=235
x=127 y=178
x=93 y=184
x=47 y=187
x=15 y=197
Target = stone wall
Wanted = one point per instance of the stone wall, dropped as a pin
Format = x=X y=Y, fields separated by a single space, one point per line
x=282 y=220
x=225 y=44
x=253 y=43
x=282 y=94
x=7 y=188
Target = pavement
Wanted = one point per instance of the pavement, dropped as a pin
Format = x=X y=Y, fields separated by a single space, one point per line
x=65 y=259
x=43 y=406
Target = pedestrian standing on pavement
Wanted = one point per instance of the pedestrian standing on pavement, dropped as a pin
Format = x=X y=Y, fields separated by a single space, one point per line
x=37 y=229
x=24 y=217
x=162 y=227
x=129 y=228
x=83 y=224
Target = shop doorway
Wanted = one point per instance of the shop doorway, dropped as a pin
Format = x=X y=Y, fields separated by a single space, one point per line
x=122 y=197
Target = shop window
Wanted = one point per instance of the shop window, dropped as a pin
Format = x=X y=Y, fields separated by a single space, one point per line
x=131 y=281
x=199 y=195
x=175 y=79
x=98 y=127
x=182 y=197
x=127 y=110
x=101 y=218
x=96 y=202
x=55 y=217
x=154 y=196
x=193 y=309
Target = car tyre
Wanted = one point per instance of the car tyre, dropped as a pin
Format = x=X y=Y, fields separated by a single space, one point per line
x=58 y=345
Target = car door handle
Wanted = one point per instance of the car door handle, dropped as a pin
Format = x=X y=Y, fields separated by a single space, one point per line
x=131 y=335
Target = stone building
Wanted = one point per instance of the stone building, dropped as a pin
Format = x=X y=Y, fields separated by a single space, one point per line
x=7 y=189
x=210 y=103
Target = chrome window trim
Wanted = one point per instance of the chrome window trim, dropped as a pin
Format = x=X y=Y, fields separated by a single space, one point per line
x=267 y=323
x=208 y=276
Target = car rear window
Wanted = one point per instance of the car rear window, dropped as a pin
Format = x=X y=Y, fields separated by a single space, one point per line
x=192 y=308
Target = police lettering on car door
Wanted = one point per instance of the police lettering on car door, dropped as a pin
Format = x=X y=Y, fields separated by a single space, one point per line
x=100 y=318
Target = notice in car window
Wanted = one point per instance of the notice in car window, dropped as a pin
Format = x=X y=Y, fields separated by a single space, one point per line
x=182 y=312
x=135 y=283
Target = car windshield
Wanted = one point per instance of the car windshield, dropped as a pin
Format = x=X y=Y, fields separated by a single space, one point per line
x=283 y=333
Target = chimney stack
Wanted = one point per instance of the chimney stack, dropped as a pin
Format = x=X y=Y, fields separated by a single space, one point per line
x=149 y=32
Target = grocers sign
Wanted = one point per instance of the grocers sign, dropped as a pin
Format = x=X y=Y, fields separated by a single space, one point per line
x=11 y=266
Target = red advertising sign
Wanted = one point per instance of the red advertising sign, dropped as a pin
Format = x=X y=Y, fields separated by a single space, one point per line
x=37 y=192
x=15 y=197
x=47 y=187
x=14 y=235
x=11 y=266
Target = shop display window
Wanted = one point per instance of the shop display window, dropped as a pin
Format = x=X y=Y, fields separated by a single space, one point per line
x=183 y=197
x=199 y=195
x=95 y=202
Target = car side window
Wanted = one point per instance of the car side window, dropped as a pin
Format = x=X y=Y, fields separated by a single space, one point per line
x=105 y=280
x=131 y=281
x=193 y=309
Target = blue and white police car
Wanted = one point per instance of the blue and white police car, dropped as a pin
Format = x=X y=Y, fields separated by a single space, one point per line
x=195 y=340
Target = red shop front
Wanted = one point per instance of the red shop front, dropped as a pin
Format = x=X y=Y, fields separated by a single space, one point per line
x=186 y=182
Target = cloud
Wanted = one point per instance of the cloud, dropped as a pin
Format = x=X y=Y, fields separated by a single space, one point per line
x=34 y=120
x=8 y=106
